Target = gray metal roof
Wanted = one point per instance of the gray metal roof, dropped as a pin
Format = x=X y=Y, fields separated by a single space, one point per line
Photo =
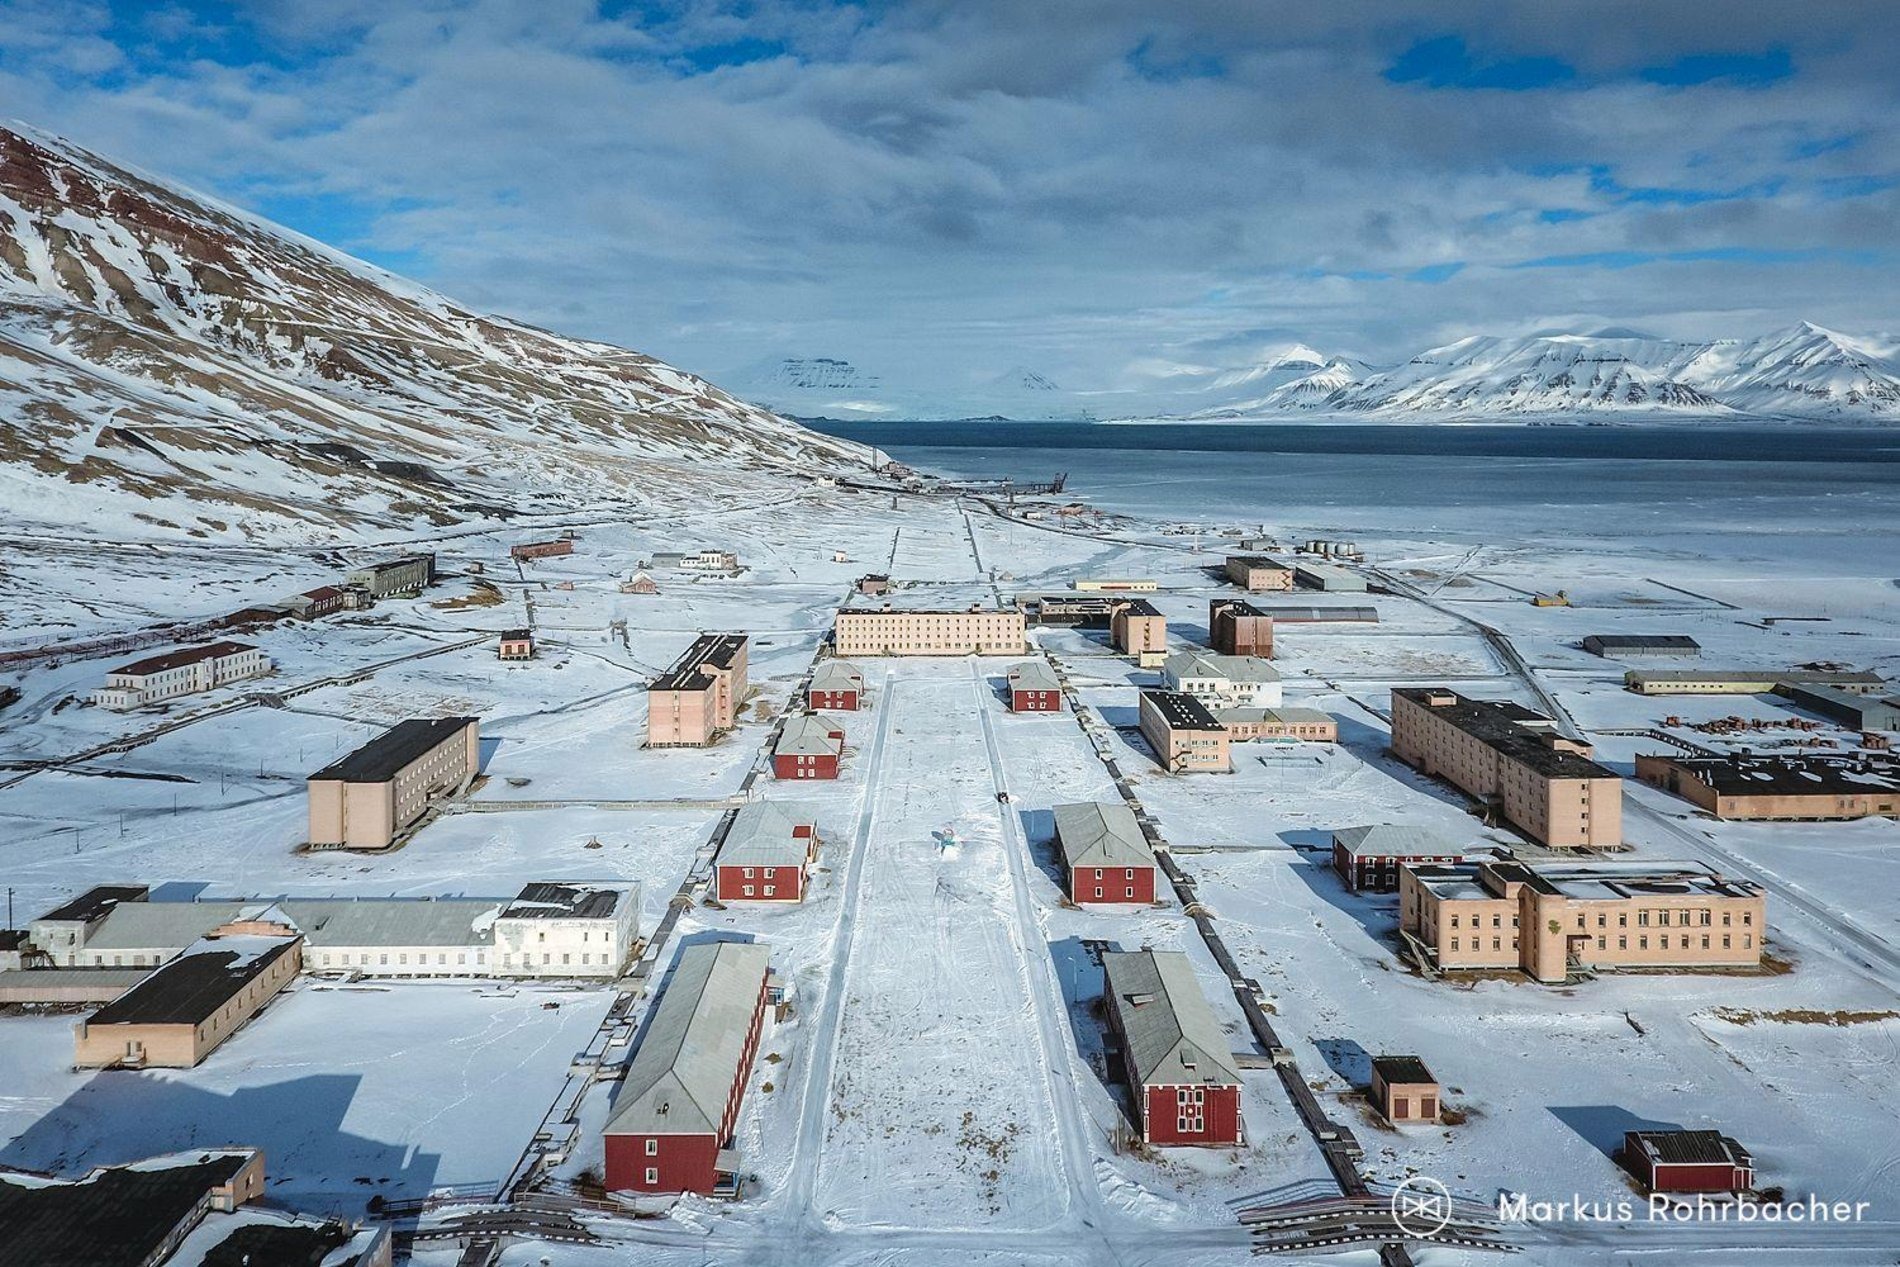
x=1033 y=675
x=161 y=925
x=331 y=923
x=808 y=736
x=1213 y=664
x=1292 y=715
x=1173 y=1038
x=836 y=675
x=1396 y=840
x=761 y=836
x=678 y=1081
x=1101 y=835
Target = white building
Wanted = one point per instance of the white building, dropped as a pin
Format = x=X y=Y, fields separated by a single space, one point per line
x=1234 y=680
x=567 y=930
x=183 y=672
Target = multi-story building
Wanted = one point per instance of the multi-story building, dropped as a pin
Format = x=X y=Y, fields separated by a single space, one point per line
x=837 y=686
x=699 y=698
x=1368 y=858
x=1184 y=735
x=808 y=747
x=1513 y=760
x=566 y=930
x=183 y=672
x=324 y=600
x=1256 y=573
x=1106 y=857
x=408 y=575
x=1179 y=1060
x=1137 y=628
x=1803 y=786
x=1033 y=688
x=1301 y=725
x=918 y=632
x=766 y=855
x=671 y=1127
x=1553 y=919
x=1237 y=627
x=364 y=800
x=1213 y=678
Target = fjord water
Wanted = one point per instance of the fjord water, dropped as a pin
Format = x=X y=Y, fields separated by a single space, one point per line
x=1827 y=498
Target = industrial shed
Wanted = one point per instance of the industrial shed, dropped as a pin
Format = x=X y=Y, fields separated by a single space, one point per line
x=1642 y=646
x=1688 y=1161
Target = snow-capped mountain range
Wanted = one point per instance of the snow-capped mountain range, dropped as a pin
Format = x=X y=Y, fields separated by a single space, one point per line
x=169 y=363
x=1805 y=372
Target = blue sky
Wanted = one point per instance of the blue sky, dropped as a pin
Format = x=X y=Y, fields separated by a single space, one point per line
x=1100 y=190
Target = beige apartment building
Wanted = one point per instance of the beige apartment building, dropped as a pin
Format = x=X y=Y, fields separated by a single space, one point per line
x=1184 y=735
x=1513 y=759
x=699 y=698
x=1256 y=573
x=364 y=800
x=900 y=632
x=1136 y=627
x=1552 y=920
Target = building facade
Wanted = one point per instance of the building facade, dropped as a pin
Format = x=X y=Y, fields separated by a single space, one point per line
x=1688 y=1161
x=183 y=672
x=1326 y=576
x=766 y=855
x=1137 y=628
x=530 y=550
x=364 y=800
x=409 y=575
x=896 y=632
x=1105 y=856
x=1513 y=760
x=1404 y=1091
x=698 y=699
x=1114 y=585
x=1186 y=738
x=1179 y=1060
x=1810 y=786
x=836 y=686
x=1256 y=573
x=1214 y=678
x=515 y=644
x=808 y=747
x=1033 y=688
x=1278 y=725
x=1642 y=646
x=189 y=1005
x=1748 y=681
x=1369 y=858
x=671 y=1126
x=1555 y=919
x=1236 y=627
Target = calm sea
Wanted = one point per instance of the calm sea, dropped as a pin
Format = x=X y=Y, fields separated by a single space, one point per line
x=1814 y=495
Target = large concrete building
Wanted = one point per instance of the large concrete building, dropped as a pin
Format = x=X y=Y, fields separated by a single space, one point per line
x=1137 y=628
x=1256 y=573
x=671 y=1127
x=1804 y=786
x=1555 y=919
x=366 y=799
x=766 y=855
x=409 y=575
x=1329 y=577
x=1642 y=646
x=699 y=698
x=191 y=1003
x=1185 y=737
x=1179 y=1060
x=183 y=672
x=1105 y=856
x=549 y=929
x=1748 y=681
x=1850 y=708
x=1514 y=761
x=1213 y=678
x=1237 y=627
x=921 y=632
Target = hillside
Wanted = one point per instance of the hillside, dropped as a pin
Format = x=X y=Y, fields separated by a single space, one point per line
x=171 y=364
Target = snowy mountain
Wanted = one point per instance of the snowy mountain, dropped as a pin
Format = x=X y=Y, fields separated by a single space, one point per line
x=1805 y=371
x=167 y=362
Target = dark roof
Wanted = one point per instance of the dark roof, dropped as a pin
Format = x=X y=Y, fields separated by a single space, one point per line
x=1137 y=606
x=1182 y=711
x=379 y=760
x=1808 y=775
x=1393 y=1069
x=1686 y=1148
x=1258 y=561
x=190 y=988
x=562 y=901
x=517 y=635
x=1509 y=728
x=1237 y=607
x=12 y=938
x=117 y=1217
x=183 y=656
x=1309 y=615
x=276 y=1245
x=96 y=901
x=717 y=650
x=1659 y=642
x=323 y=593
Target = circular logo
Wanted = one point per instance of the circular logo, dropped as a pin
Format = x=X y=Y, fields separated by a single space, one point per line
x=1421 y=1206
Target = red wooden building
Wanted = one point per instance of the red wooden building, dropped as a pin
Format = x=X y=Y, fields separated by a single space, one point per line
x=1688 y=1161
x=670 y=1128
x=1033 y=688
x=766 y=856
x=1179 y=1061
x=1107 y=860
x=809 y=747
x=837 y=686
x=1368 y=858
x=541 y=549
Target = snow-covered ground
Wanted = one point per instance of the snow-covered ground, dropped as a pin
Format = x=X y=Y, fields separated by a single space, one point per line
x=938 y=1091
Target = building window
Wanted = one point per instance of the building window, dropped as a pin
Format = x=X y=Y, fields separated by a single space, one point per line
x=653 y=1174
x=653 y=1148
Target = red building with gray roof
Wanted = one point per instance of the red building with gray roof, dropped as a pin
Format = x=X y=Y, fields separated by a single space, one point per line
x=1180 y=1066
x=1105 y=856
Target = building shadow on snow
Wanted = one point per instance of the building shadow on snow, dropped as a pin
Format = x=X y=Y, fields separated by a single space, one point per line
x=1346 y=1058
x=1602 y=1125
x=1078 y=964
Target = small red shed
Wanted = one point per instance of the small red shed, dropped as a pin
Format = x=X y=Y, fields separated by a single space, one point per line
x=1688 y=1161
